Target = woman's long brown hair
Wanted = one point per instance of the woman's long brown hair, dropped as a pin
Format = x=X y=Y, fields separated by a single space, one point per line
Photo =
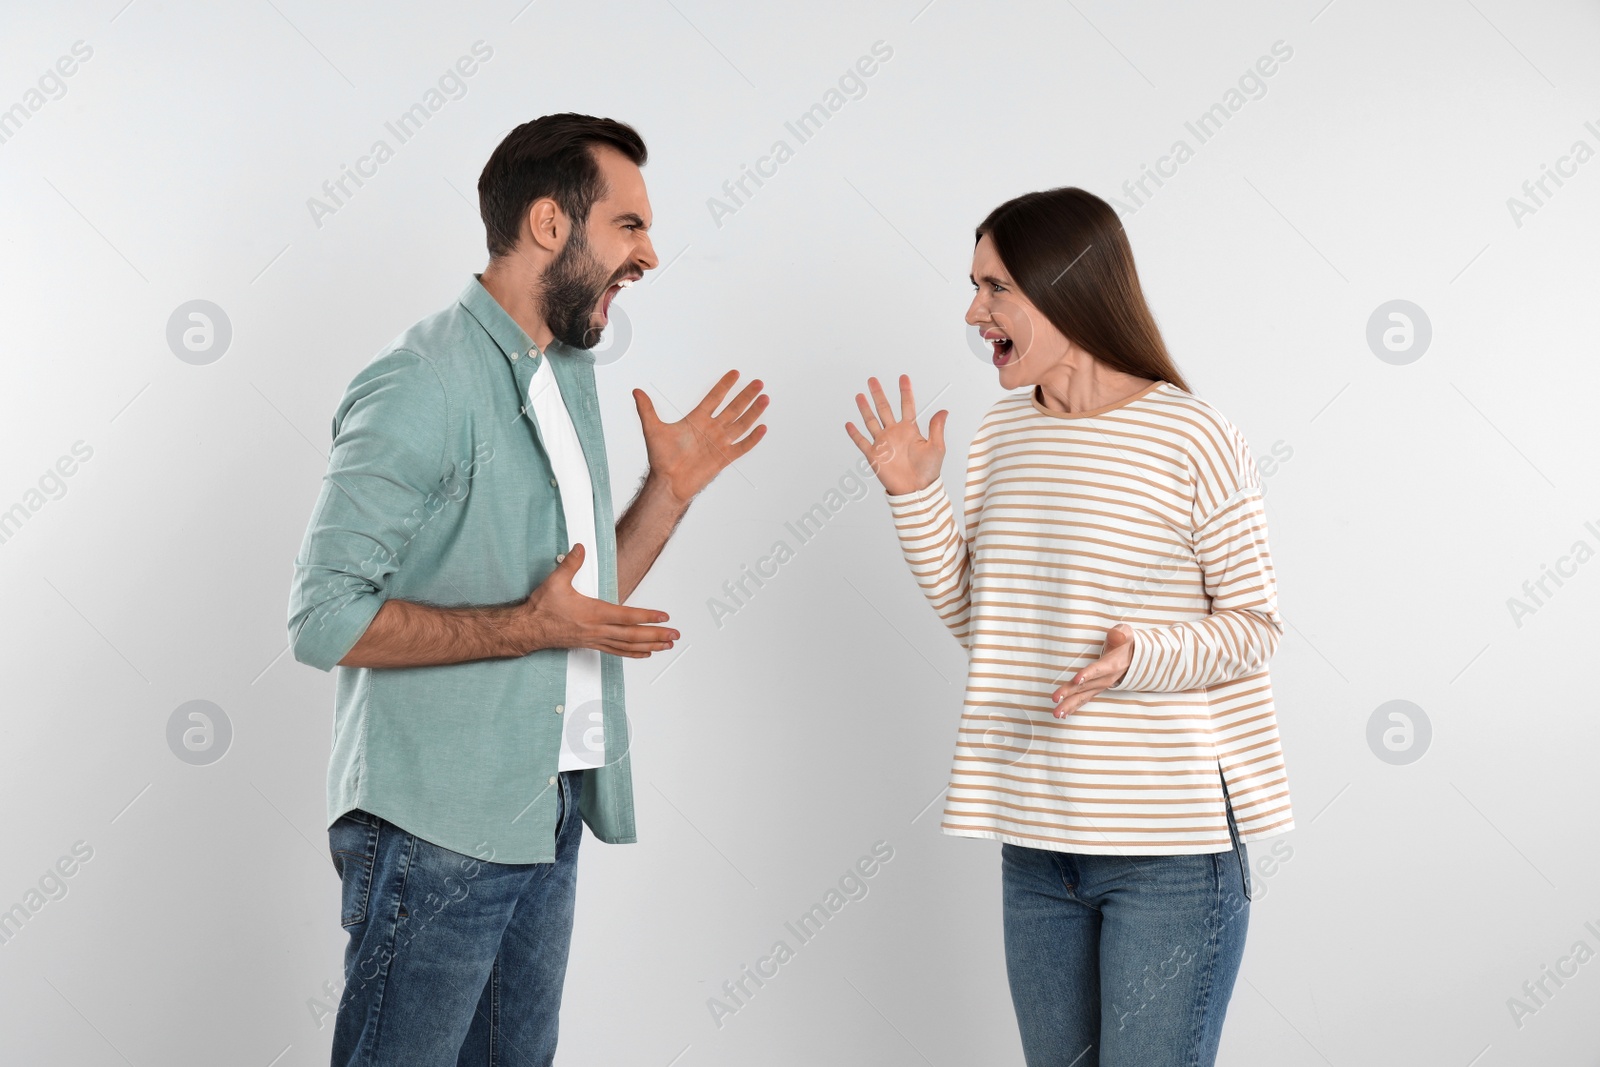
x=1067 y=250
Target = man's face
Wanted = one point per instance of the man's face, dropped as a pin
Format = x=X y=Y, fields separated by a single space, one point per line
x=610 y=250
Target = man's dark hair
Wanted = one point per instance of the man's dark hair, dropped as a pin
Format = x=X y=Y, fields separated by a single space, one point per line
x=550 y=156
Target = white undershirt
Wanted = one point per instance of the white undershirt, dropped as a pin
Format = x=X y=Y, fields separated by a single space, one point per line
x=582 y=736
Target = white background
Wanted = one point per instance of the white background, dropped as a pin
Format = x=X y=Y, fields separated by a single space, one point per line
x=820 y=718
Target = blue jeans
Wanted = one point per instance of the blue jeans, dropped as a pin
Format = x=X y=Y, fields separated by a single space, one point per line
x=452 y=959
x=1123 y=961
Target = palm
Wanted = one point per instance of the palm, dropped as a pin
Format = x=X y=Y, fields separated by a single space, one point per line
x=903 y=458
x=689 y=453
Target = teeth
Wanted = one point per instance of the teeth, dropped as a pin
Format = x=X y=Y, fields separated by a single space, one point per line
x=626 y=282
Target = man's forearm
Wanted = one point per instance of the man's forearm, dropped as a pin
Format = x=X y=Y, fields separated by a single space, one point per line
x=408 y=634
x=643 y=531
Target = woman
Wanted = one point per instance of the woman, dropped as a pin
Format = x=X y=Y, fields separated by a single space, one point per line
x=1113 y=588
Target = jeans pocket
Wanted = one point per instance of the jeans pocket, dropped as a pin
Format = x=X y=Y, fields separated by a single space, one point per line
x=353 y=844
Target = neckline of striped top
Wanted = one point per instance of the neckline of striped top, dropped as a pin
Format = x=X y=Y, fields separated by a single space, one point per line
x=1033 y=396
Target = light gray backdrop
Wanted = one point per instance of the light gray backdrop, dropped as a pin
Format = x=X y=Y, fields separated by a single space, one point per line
x=1424 y=473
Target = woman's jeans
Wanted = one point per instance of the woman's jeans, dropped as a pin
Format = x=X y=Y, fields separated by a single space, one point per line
x=1123 y=961
x=452 y=959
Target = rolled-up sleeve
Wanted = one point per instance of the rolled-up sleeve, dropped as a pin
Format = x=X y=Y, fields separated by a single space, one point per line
x=387 y=462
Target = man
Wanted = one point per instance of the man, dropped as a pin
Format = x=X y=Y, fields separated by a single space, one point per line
x=462 y=569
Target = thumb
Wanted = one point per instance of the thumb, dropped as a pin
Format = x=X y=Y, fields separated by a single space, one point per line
x=936 y=429
x=647 y=408
x=568 y=567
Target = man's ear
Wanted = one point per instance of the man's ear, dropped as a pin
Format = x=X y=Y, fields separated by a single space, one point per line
x=547 y=225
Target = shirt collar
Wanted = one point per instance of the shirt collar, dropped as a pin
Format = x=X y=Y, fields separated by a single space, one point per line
x=512 y=339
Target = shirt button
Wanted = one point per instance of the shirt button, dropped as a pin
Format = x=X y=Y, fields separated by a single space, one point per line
x=552 y=779
x=514 y=356
x=560 y=556
x=560 y=708
x=552 y=481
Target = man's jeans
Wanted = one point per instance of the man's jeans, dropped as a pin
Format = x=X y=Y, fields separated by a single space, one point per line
x=453 y=959
x=1123 y=961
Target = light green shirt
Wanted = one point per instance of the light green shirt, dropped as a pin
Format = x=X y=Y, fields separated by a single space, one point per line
x=439 y=490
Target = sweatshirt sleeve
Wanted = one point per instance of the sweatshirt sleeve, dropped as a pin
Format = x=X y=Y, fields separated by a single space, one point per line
x=1242 y=631
x=938 y=553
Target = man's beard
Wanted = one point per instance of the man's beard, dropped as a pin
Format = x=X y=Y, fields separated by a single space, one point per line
x=568 y=291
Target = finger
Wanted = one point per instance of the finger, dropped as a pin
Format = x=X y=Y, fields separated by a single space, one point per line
x=936 y=429
x=1074 y=685
x=859 y=438
x=1071 y=698
x=631 y=651
x=639 y=636
x=712 y=400
x=881 y=402
x=601 y=646
x=627 y=648
x=908 y=406
x=744 y=422
x=1076 y=688
x=868 y=419
x=745 y=444
x=1077 y=700
x=609 y=614
x=740 y=404
x=1092 y=675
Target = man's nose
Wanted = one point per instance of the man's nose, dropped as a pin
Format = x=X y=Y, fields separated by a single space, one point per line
x=647 y=255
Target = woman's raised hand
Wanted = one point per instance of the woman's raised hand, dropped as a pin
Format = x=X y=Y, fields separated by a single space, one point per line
x=902 y=457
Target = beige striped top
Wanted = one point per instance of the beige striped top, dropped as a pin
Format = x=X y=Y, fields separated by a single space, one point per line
x=1148 y=512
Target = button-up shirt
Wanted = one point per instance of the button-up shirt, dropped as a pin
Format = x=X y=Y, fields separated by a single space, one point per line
x=440 y=490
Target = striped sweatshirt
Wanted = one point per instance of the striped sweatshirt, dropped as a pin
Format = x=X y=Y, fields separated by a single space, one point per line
x=1146 y=512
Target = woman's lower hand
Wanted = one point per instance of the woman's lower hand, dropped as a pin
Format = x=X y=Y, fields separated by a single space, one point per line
x=1098 y=676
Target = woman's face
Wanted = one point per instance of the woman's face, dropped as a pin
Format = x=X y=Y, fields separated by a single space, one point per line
x=1025 y=345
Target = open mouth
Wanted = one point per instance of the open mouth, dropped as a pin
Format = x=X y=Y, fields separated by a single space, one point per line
x=610 y=295
x=1004 y=350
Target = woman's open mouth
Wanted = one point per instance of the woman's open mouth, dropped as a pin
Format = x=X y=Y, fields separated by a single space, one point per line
x=1004 y=349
